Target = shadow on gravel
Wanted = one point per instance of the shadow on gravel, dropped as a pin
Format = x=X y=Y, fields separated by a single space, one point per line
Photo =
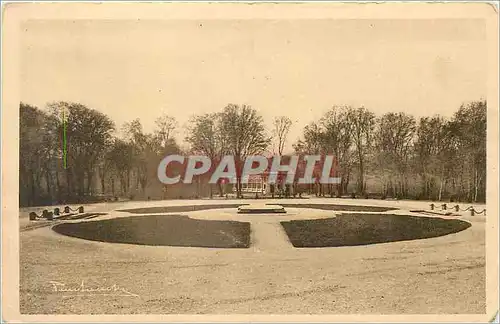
x=363 y=229
x=80 y=216
x=190 y=208
x=165 y=230
x=178 y=209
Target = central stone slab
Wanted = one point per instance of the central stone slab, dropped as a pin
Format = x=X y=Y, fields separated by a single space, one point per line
x=261 y=209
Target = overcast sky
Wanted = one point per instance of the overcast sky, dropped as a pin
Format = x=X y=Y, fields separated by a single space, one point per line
x=298 y=68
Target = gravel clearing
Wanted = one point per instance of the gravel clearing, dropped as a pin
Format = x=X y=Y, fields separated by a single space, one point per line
x=440 y=275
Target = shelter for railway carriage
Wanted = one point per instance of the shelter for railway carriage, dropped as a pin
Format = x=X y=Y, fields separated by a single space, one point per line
x=258 y=183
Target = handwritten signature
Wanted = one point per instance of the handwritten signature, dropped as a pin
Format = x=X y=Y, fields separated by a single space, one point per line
x=83 y=290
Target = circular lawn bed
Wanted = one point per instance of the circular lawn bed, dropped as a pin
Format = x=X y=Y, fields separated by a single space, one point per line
x=362 y=229
x=166 y=230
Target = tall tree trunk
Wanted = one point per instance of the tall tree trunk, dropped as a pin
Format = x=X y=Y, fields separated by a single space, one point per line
x=102 y=178
x=58 y=184
x=341 y=186
x=347 y=180
x=476 y=185
x=80 y=182
x=38 y=186
x=48 y=184
x=238 y=187
x=221 y=194
x=123 y=183
x=128 y=182
x=103 y=184
x=89 y=182
x=361 y=189
x=468 y=189
x=69 y=186
x=33 y=189
x=440 y=190
x=425 y=193
x=113 y=186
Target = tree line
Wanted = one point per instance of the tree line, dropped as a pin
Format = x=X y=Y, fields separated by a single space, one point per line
x=430 y=158
x=70 y=152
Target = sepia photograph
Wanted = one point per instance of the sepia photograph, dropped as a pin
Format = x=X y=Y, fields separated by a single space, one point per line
x=250 y=162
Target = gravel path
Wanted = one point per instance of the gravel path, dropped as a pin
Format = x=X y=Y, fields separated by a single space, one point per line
x=269 y=236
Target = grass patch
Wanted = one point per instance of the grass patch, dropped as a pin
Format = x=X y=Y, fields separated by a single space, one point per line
x=178 y=209
x=165 y=230
x=356 y=208
x=363 y=229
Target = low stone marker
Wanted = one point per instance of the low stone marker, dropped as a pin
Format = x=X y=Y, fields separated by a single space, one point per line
x=261 y=209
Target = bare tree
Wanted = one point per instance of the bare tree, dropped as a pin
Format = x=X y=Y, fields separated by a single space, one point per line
x=88 y=133
x=363 y=122
x=121 y=156
x=145 y=151
x=204 y=136
x=394 y=139
x=281 y=128
x=430 y=150
x=31 y=149
x=165 y=128
x=312 y=142
x=244 y=133
x=468 y=127
x=337 y=140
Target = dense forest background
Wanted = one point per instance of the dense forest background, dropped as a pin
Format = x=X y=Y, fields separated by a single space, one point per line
x=392 y=155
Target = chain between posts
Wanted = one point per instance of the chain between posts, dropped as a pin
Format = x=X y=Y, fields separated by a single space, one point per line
x=457 y=209
x=49 y=215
